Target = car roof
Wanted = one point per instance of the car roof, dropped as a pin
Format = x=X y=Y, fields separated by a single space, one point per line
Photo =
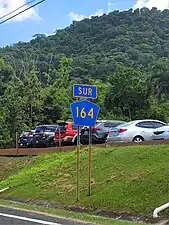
x=110 y=121
x=47 y=125
x=28 y=130
x=147 y=120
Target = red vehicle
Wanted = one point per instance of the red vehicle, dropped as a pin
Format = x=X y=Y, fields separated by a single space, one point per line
x=67 y=132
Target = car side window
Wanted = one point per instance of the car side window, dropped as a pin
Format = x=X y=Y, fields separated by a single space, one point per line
x=62 y=127
x=111 y=124
x=157 y=124
x=40 y=129
x=50 y=129
x=101 y=125
x=145 y=124
x=107 y=124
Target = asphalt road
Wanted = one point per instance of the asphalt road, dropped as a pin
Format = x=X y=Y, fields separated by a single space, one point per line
x=10 y=216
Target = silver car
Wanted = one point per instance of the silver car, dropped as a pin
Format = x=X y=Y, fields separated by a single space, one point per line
x=136 y=131
x=161 y=133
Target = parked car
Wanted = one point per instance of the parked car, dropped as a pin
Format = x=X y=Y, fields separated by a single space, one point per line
x=161 y=133
x=99 y=131
x=68 y=133
x=25 y=139
x=136 y=131
x=44 y=136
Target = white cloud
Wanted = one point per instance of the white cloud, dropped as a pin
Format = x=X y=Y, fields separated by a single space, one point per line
x=7 y=6
x=99 y=12
x=76 y=16
x=160 y=4
x=111 y=6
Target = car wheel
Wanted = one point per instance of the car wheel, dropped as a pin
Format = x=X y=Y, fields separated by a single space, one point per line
x=30 y=145
x=105 y=139
x=138 y=139
x=52 y=143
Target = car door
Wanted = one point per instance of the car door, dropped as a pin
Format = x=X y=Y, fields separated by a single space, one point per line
x=146 y=130
x=160 y=134
x=99 y=131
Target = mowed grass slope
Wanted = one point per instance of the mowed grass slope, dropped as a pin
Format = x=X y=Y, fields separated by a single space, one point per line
x=11 y=165
x=133 y=179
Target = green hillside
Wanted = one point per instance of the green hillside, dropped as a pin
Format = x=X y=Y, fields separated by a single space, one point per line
x=124 y=53
x=98 y=45
x=127 y=179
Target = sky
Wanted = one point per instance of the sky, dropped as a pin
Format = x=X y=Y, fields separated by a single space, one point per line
x=56 y=14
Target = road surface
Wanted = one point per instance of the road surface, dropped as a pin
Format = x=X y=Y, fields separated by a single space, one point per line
x=10 y=216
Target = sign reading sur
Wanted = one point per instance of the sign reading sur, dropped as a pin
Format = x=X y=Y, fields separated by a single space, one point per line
x=85 y=91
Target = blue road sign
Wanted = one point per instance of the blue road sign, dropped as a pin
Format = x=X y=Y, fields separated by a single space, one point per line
x=84 y=113
x=86 y=91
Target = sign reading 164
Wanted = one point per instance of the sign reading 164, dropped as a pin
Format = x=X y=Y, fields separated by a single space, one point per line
x=84 y=113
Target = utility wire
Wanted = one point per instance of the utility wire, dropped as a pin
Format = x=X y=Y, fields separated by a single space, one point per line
x=17 y=9
x=21 y=12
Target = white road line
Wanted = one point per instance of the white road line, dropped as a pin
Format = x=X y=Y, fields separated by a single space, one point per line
x=28 y=219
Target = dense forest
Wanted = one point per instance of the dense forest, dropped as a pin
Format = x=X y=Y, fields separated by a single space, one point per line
x=124 y=53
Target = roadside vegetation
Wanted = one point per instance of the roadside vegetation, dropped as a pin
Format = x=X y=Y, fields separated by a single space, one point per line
x=126 y=179
x=124 y=53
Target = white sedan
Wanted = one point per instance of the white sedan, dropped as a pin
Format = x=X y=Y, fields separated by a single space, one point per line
x=136 y=131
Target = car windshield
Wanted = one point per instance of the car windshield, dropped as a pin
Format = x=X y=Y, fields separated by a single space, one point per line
x=27 y=133
x=62 y=127
x=113 y=123
x=45 y=129
x=125 y=124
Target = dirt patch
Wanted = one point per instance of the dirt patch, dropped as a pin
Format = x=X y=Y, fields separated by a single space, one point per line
x=127 y=216
x=11 y=165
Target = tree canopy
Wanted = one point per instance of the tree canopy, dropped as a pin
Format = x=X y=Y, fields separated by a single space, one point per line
x=124 y=53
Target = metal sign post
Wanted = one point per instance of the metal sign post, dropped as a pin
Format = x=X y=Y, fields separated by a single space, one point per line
x=90 y=159
x=60 y=145
x=78 y=162
x=16 y=142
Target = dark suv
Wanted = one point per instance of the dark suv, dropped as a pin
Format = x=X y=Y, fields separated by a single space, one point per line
x=44 y=136
x=25 y=139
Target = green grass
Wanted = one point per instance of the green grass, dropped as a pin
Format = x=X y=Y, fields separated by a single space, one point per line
x=132 y=179
x=11 y=165
x=68 y=214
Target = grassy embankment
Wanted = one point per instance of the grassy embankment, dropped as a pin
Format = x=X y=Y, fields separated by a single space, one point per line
x=132 y=179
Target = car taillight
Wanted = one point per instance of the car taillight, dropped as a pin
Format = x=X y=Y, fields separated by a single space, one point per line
x=96 y=128
x=121 y=130
x=29 y=136
x=61 y=133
